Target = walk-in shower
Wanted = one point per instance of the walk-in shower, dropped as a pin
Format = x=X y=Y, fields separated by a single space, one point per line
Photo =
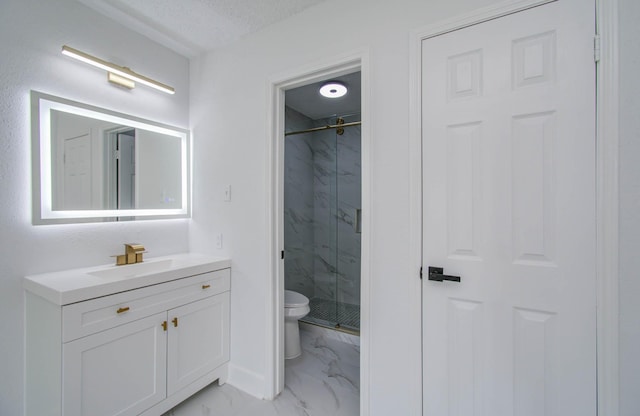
x=322 y=202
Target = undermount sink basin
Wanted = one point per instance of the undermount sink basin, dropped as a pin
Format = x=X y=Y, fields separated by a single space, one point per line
x=132 y=270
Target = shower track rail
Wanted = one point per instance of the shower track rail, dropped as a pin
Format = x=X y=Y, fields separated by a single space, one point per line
x=328 y=127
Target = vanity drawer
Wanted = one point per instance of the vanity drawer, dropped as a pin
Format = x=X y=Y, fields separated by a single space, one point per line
x=95 y=315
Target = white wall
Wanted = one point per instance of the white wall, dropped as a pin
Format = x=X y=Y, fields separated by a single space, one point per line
x=158 y=170
x=629 y=208
x=32 y=33
x=230 y=121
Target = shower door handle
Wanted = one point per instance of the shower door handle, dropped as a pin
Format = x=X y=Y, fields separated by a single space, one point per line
x=436 y=274
x=357 y=224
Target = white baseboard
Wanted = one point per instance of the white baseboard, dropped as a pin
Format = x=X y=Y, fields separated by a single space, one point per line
x=247 y=381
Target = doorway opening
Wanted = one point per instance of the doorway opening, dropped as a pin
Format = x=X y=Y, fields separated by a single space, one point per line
x=322 y=202
x=343 y=66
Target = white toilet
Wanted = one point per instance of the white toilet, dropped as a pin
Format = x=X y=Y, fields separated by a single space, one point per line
x=296 y=306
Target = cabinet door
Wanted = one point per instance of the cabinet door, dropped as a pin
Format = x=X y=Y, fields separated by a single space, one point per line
x=198 y=340
x=121 y=371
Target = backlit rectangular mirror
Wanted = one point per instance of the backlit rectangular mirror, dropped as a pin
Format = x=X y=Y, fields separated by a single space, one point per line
x=91 y=164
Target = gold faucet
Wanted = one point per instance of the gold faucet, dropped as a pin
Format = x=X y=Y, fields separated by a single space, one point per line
x=132 y=254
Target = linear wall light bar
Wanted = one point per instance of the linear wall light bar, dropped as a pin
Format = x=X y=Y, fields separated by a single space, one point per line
x=116 y=71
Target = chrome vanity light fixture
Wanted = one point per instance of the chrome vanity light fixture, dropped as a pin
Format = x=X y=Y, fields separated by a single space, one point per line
x=117 y=74
x=333 y=89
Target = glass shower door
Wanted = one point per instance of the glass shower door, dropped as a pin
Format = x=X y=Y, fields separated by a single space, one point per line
x=337 y=190
x=325 y=256
x=348 y=224
x=322 y=214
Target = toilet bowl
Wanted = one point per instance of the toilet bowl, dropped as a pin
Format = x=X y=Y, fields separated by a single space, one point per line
x=296 y=306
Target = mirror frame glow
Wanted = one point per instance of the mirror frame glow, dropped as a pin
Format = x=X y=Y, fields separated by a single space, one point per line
x=42 y=202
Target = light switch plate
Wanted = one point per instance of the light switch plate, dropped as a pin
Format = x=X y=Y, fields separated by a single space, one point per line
x=219 y=240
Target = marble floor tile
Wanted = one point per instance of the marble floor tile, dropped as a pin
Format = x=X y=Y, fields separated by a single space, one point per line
x=346 y=337
x=323 y=381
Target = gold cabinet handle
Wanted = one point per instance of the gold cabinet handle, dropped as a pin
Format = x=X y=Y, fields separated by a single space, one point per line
x=206 y=286
x=164 y=325
x=175 y=322
x=121 y=310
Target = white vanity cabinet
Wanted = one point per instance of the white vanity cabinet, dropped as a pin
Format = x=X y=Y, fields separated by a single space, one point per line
x=120 y=371
x=136 y=352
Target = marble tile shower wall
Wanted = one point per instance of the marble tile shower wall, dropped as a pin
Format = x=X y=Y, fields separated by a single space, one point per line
x=329 y=213
x=298 y=206
x=325 y=261
x=337 y=192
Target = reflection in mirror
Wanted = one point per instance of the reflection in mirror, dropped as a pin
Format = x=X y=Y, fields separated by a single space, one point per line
x=92 y=164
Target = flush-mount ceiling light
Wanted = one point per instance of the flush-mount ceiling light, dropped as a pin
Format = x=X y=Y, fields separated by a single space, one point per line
x=117 y=72
x=333 y=89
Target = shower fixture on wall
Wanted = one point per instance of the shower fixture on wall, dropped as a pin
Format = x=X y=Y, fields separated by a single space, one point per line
x=117 y=74
x=340 y=122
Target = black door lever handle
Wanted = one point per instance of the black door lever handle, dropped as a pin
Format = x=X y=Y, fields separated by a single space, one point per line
x=436 y=274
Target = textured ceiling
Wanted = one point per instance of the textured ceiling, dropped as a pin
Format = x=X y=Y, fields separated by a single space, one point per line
x=191 y=27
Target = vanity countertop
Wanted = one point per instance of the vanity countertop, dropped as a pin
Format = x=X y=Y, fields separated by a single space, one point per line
x=76 y=285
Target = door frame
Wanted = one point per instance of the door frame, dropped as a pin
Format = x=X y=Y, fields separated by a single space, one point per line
x=277 y=85
x=606 y=182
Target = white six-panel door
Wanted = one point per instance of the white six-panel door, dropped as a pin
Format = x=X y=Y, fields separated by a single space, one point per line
x=77 y=173
x=508 y=136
